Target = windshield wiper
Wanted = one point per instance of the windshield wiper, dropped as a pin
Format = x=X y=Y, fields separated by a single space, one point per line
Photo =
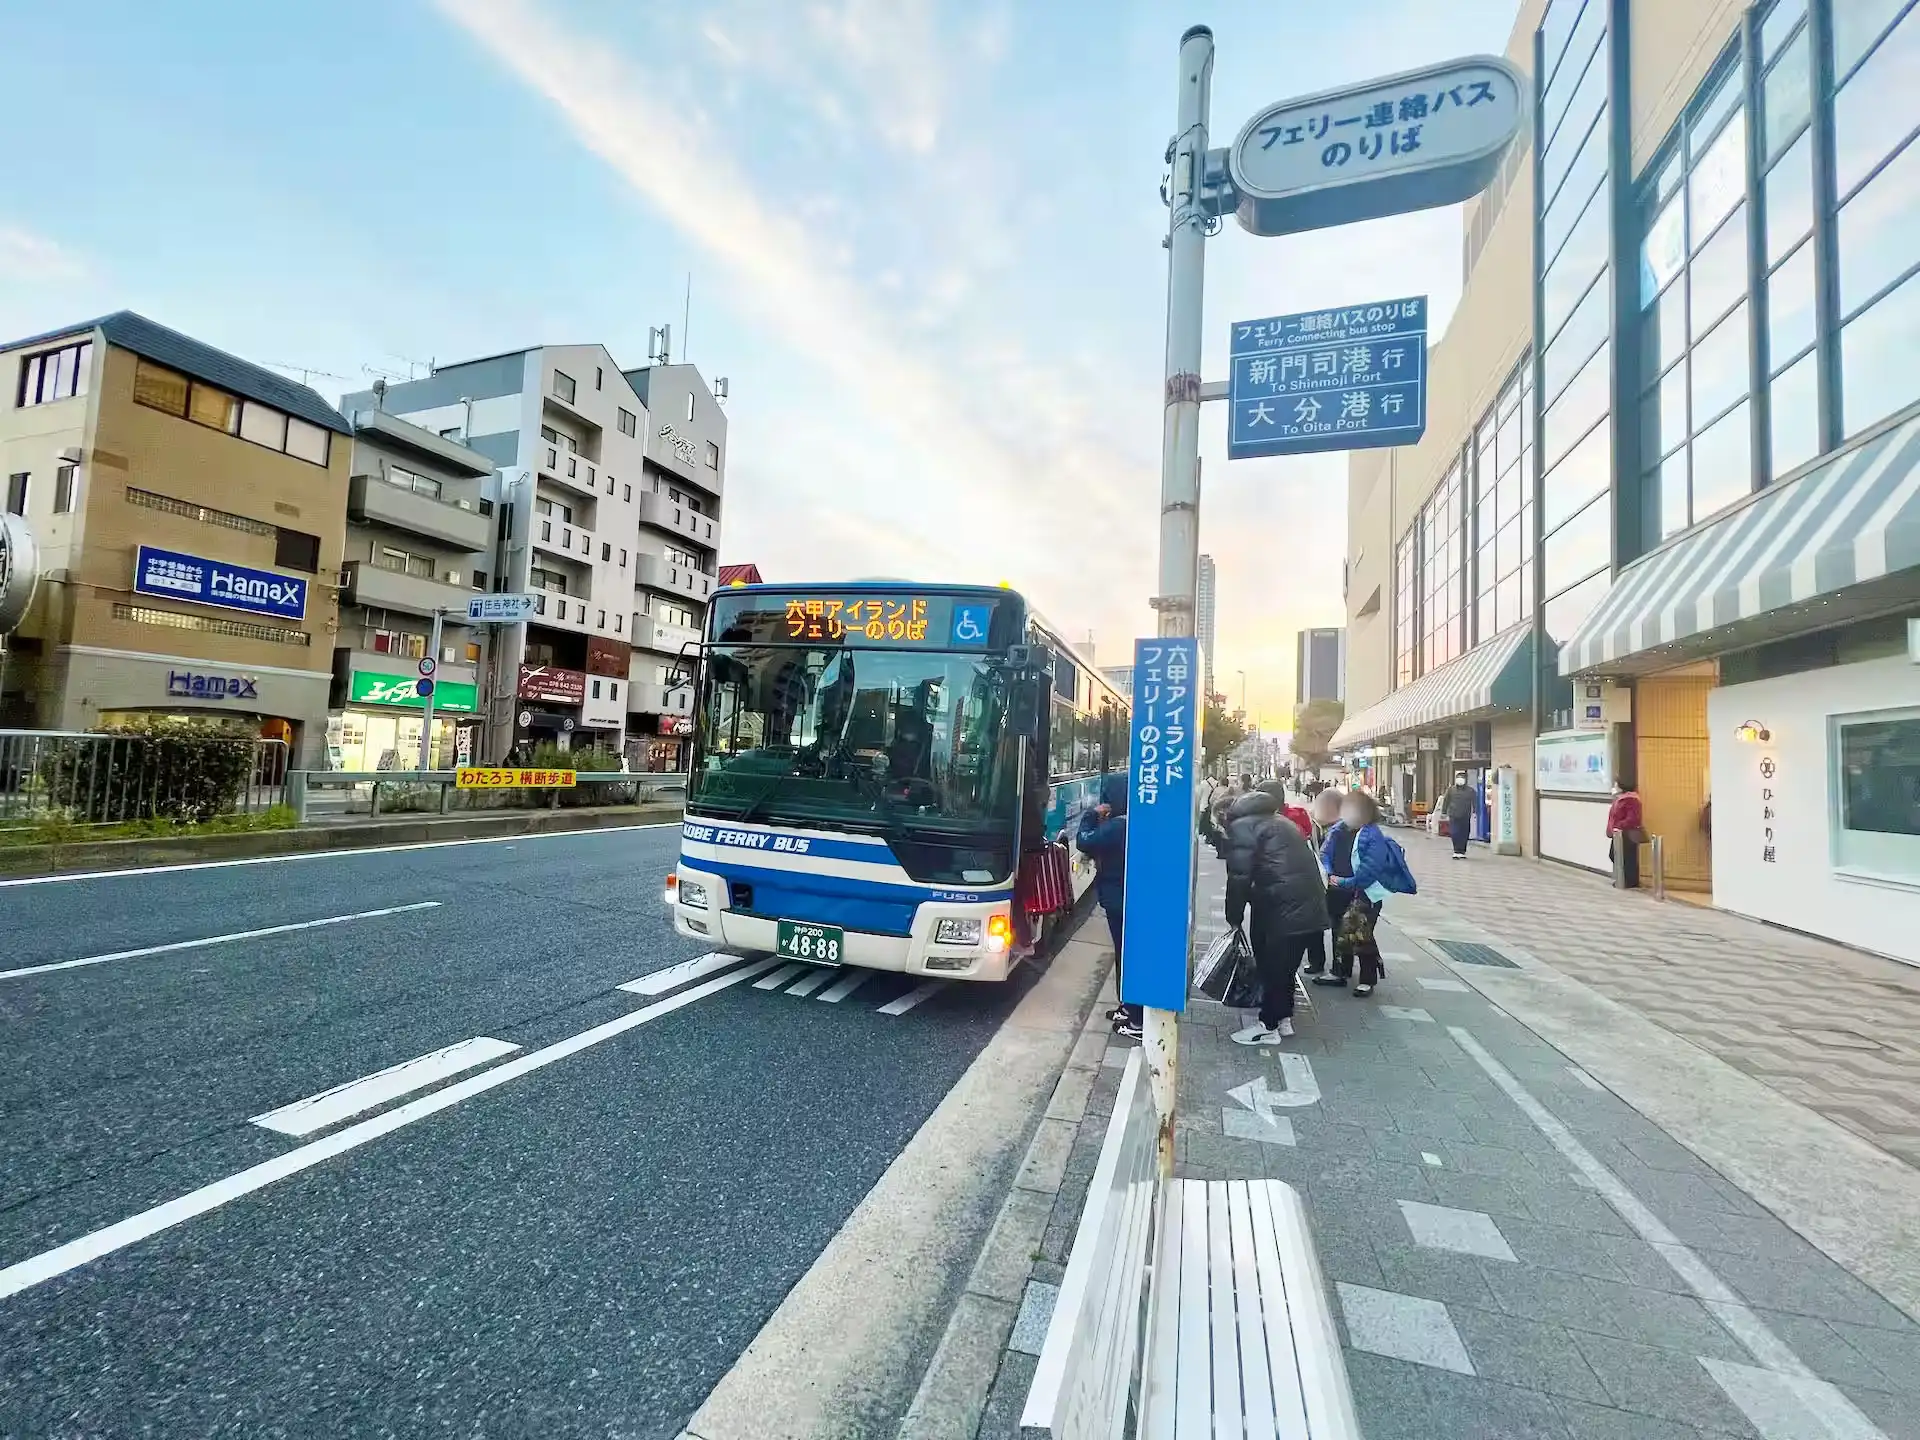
x=746 y=811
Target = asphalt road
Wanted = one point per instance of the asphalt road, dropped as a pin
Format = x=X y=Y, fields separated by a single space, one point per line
x=556 y=1241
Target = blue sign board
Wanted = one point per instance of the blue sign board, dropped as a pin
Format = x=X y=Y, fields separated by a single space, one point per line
x=214 y=582
x=1160 y=822
x=1347 y=379
x=970 y=623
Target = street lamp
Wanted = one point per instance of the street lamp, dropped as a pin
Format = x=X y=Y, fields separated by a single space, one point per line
x=1243 y=692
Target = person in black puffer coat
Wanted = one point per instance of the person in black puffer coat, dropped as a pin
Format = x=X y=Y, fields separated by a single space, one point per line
x=1272 y=869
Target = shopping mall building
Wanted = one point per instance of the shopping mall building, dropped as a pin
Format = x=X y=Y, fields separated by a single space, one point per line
x=1664 y=524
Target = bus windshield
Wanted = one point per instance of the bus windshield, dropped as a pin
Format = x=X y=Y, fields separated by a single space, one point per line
x=875 y=740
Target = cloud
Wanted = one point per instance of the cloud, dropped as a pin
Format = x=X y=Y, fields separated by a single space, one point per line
x=27 y=258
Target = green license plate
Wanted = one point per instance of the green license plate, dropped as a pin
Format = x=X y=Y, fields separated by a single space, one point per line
x=816 y=944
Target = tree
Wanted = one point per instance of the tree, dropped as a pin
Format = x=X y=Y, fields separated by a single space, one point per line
x=1313 y=727
x=1222 y=733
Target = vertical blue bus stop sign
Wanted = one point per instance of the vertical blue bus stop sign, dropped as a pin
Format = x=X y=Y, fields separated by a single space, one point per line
x=1160 y=822
x=1345 y=379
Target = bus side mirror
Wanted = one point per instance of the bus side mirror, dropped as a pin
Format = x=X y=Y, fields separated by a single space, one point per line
x=1024 y=697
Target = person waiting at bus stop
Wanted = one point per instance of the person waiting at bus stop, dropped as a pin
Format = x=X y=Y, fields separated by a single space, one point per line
x=1103 y=837
x=1271 y=871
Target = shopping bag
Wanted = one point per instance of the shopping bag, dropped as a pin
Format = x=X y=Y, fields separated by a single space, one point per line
x=1245 y=990
x=1046 y=880
x=1215 y=970
x=1232 y=973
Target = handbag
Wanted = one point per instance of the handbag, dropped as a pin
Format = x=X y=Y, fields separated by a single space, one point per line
x=1046 y=880
x=1227 y=972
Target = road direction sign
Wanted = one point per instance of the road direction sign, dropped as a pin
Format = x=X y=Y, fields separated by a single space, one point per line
x=507 y=609
x=428 y=665
x=1426 y=137
x=1339 y=379
x=1160 y=821
x=423 y=688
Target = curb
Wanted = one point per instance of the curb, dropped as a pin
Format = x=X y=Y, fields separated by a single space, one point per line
x=959 y=1382
x=110 y=855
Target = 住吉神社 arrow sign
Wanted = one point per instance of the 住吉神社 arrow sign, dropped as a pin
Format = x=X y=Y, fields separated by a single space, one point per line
x=1426 y=137
x=503 y=609
x=1347 y=378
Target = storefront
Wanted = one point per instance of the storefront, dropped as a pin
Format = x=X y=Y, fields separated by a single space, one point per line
x=112 y=689
x=381 y=724
x=1573 y=776
x=551 y=702
x=665 y=752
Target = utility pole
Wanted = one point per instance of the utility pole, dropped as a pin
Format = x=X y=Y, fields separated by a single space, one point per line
x=1180 y=461
x=429 y=673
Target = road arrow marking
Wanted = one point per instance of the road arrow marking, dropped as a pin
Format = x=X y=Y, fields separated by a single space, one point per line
x=1302 y=1088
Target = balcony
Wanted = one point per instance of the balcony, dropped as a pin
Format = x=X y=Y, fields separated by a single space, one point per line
x=569 y=468
x=550 y=607
x=651 y=634
x=644 y=697
x=368 y=584
x=455 y=523
x=673 y=516
x=569 y=542
x=663 y=574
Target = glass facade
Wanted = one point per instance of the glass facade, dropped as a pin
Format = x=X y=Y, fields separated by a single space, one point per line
x=1502 y=509
x=1574 y=63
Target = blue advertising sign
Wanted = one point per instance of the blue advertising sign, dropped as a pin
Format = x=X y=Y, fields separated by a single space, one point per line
x=1160 y=822
x=1347 y=379
x=214 y=582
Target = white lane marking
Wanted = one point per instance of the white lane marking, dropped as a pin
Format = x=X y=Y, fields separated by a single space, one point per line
x=661 y=981
x=1789 y=1407
x=237 y=935
x=330 y=1107
x=1450 y=987
x=912 y=998
x=1430 y=1158
x=1584 y=1078
x=778 y=977
x=1832 y=1408
x=346 y=854
x=840 y=989
x=38 y=1269
x=807 y=984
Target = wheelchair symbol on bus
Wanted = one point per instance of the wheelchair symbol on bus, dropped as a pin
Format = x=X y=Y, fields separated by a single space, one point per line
x=970 y=624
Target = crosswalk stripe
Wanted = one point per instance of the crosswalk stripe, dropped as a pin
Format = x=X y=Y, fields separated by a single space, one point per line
x=661 y=981
x=912 y=998
x=840 y=989
x=778 y=977
x=807 y=984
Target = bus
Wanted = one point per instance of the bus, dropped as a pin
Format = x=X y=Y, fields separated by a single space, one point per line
x=869 y=762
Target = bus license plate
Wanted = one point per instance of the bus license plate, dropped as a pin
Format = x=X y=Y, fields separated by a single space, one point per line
x=816 y=944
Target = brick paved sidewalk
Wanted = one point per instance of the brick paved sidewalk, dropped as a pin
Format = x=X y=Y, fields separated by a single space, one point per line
x=1834 y=1029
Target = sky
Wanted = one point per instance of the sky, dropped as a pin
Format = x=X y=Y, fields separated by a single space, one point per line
x=923 y=236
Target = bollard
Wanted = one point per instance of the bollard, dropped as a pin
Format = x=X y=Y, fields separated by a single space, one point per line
x=1659 y=867
x=374 y=806
x=297 y=796
x=444 y=788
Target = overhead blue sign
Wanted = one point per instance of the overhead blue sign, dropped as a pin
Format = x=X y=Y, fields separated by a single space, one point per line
x=1160 y=822
x=1348 y=379
x=176 y=576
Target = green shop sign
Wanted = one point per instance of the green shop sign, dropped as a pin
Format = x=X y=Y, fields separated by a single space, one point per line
x=366 y=689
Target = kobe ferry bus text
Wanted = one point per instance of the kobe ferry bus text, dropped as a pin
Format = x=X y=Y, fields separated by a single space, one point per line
x=870 y=762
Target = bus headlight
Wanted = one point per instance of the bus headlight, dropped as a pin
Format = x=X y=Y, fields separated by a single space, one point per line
x=999 y=931
x=693 y=893
x=957 y=932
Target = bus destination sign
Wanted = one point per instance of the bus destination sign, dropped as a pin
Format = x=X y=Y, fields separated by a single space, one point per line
x=903 y=620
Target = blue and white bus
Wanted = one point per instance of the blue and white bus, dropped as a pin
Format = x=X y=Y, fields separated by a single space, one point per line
x=869 y=762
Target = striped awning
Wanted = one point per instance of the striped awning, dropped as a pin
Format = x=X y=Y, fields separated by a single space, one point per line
x=1841 y=542
x=1489 y=677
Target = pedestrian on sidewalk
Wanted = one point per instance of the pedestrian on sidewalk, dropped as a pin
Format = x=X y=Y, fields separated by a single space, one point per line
x=1379 y=868
x=1103 y=836
x=1459 y=803
x=1325 y=814
x=1625 y=819
x=1272 y=872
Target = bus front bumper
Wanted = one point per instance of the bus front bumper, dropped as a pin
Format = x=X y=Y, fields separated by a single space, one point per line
x=915 y=954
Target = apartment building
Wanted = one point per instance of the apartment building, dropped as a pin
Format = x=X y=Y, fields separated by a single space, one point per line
x=1700 y=294
x=1207 y=614
x=419 y=540
x=189 y=510
x=1320 y=664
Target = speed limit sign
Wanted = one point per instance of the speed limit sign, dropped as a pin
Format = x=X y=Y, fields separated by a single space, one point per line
x=427 y=666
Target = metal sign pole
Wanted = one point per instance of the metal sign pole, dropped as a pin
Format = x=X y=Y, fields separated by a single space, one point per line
x=1180 y=461
x=426 y=714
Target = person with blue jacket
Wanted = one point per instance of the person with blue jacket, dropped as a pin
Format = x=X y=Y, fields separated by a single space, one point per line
x=1363 y=866
x=1103 y=837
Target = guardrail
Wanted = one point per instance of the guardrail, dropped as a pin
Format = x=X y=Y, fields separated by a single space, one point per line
x=644 y=786
x=107 y=777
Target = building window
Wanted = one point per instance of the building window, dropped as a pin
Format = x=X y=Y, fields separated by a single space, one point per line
x=473 y=652
x=549 y=434
x=55 y=374
x=599 y=377
x=596 y=689
x=627 y=493
x=689 y=405
x=563 y=385
x=552 y=580
x=296 y=550
x=479 y=579
x=629 y=422
x=209 y=625
x=613 y=689
x=159 y=388
x=168 y=505
x=1501 y=527
x=1875 y=779
x=263 y=425
x=601 y=623
x=306 y=442
x=397 y=642
x=623 y=559
x=63 y=479
x=618 y=620
x=677 y=556
x=17 y=492
x=212 y=407
x=713 y=456
x=606 y=550
x=671 y=614
x=580 y=614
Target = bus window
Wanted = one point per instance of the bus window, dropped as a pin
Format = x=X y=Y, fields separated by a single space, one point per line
x=1060 y=738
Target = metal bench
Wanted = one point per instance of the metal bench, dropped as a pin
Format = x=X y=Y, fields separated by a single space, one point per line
x=1195 y=1308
